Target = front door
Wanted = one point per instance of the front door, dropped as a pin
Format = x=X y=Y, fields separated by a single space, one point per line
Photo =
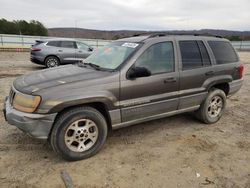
x=156 y=94
x=67 y=51
x=82 y=51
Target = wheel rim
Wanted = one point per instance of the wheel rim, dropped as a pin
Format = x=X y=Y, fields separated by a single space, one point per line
x=81 y=135
x=52 y=62
x=215 y=106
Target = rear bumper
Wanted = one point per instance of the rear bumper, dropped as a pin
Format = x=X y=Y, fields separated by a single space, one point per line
x=36 y=125
x=235 y=86
x=36 y=60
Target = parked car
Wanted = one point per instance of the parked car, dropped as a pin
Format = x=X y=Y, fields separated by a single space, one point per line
x=129 y=81
x=55 y=52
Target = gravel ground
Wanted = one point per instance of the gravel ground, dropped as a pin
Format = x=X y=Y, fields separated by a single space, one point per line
x=172 y=152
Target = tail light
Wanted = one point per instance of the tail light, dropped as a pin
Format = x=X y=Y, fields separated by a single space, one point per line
x=35 y=49
x=241 y=70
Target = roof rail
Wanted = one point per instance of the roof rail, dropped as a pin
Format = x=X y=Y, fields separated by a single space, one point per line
x=158 y=35
x=208 y=35
x=193 y=34
x=141 y=34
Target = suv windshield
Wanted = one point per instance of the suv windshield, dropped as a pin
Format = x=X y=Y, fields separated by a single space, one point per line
x=112 y=55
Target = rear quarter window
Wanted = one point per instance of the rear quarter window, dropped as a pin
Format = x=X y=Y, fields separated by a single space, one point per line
x=223 y=52
x=54 y=43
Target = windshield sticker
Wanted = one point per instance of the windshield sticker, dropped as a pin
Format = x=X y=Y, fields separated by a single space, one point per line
x=130 y=45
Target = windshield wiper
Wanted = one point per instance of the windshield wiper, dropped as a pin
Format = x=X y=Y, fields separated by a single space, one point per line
x=97 y=67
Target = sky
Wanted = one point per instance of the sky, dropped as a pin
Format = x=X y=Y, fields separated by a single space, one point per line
x=132 y=14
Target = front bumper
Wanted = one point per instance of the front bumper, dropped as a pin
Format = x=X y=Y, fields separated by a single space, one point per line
x=36 y=125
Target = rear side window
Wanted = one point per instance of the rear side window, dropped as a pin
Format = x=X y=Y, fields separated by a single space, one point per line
x=194 y=54
x=68 y=44
x=223 y=52
x=190 y=54
x=54 y=43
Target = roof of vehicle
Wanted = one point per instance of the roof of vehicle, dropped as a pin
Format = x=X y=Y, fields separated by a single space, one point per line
x=57 y=39
x=60 y=39
x=143 y=38
x=135 y=39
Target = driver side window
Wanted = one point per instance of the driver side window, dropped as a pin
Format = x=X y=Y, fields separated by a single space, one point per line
x=82 y=46
x=158 y=58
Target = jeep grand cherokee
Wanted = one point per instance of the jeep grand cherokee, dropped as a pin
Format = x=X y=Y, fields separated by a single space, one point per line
x=129 y=81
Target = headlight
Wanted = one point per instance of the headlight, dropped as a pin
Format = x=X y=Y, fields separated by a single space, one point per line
x=26 y=103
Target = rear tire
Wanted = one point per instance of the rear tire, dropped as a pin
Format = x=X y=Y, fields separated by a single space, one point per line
x=79 y=133
x=212 y=107
x=51 y=62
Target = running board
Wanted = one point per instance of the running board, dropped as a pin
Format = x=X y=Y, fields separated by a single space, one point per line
x=158 y=116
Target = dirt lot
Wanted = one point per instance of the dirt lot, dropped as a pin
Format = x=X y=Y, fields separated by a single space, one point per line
x=171 y=152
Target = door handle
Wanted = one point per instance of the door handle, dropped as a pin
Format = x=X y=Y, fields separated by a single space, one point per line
x=170 y=80
x=60 y=51
x=80 y=51
x=209 y=73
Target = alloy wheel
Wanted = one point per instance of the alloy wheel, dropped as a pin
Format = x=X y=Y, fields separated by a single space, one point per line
x=215 y=106
x=81 y=135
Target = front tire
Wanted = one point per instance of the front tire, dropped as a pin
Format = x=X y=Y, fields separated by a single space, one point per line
x=212 y=107
x=79 y=133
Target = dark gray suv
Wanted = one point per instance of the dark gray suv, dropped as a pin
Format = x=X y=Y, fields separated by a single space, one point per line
x=55 y=52
x=129 y=81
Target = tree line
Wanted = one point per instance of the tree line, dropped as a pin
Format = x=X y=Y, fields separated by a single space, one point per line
x=22 y=27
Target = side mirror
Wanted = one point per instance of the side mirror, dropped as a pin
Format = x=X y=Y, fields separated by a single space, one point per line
x=137 y=72
x=91 y=49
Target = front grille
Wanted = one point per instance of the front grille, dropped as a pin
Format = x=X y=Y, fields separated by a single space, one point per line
x=12 y=95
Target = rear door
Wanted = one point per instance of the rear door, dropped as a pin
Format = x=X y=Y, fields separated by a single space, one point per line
x=154 y=95
x=67 y=51
x=195 y=69
x=83 y=50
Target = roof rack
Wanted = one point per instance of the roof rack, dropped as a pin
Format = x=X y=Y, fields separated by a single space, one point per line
x=168 y=34
x=141 y=34
x=208 y=35
x=158 y=35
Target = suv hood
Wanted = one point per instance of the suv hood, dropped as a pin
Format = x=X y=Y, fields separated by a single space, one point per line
x=56 y=76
